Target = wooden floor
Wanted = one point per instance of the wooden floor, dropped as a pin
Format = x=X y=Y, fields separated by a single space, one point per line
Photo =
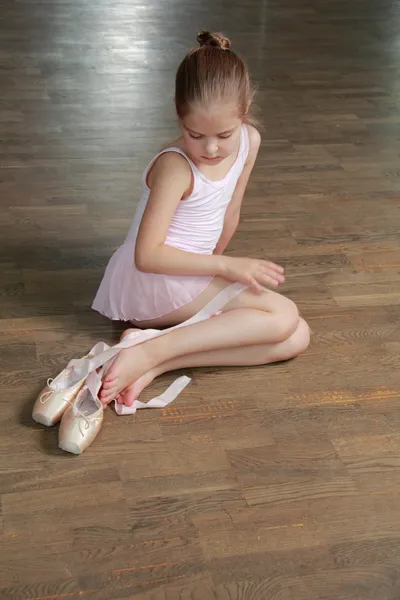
x=275 y=483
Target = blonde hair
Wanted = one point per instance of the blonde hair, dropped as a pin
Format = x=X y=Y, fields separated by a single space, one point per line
x=210 y=73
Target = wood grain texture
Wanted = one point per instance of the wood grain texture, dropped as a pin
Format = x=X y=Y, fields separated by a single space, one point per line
x=276 y=483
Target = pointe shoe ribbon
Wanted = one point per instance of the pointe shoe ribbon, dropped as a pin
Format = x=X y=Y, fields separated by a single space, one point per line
x=84 y=366
x=161 y=401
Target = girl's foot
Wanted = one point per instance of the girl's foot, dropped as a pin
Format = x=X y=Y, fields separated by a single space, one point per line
x=130 y=372
x=133 y=391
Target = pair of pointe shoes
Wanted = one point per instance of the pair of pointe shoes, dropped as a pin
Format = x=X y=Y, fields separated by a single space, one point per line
x=72 y=397
x=75 y=403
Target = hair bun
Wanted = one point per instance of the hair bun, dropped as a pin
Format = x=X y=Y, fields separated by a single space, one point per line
x=217 y=40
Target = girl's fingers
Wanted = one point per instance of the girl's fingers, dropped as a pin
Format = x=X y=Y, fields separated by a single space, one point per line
x=255 y=286
x=273 y=266
x=273 y=275
x=268 y=280
x=265 y=276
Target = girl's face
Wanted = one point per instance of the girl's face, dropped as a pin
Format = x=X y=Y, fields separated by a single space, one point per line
x=211 y=134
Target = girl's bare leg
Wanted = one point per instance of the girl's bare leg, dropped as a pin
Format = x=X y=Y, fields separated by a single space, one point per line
x=248 y=320
x=230 y=357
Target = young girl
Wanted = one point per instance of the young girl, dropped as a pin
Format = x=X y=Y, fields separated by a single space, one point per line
x=172 y=264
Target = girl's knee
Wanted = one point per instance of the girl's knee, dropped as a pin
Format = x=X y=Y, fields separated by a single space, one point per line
x=285 y=312
x=298 y=342
x=301 y=338
x=288 y=319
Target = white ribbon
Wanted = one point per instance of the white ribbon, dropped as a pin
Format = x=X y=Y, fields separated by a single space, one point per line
x=159 y=402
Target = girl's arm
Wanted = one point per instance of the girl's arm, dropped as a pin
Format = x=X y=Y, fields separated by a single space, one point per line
x=232 y=214
x=169 y=180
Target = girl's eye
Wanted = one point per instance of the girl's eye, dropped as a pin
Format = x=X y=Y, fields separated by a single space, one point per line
x=195 y=137
x=225 y=137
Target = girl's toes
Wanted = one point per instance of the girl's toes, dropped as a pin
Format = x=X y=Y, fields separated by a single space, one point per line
x=106 y=401
x=108 y=383
x=107 y=395
x=120 y=397
x=131 y=393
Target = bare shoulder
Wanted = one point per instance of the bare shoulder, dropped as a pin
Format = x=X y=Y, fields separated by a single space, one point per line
x=254 y=145
x=170 y=166
x=254 y=138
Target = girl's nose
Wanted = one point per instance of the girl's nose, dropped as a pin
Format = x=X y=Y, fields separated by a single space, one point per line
x=212 y=148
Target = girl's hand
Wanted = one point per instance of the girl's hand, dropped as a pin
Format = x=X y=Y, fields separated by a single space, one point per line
x=254 y=272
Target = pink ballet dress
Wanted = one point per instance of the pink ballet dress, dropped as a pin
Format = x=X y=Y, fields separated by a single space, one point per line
x=127 y=294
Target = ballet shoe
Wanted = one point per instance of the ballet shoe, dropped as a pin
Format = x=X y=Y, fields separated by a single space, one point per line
x=82 y=421
x=59 y=392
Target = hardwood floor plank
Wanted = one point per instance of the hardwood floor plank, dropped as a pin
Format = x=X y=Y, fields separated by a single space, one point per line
x=346 y=584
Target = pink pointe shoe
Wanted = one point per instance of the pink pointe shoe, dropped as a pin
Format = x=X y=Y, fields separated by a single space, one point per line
x=54 y=399
x=83 y=419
